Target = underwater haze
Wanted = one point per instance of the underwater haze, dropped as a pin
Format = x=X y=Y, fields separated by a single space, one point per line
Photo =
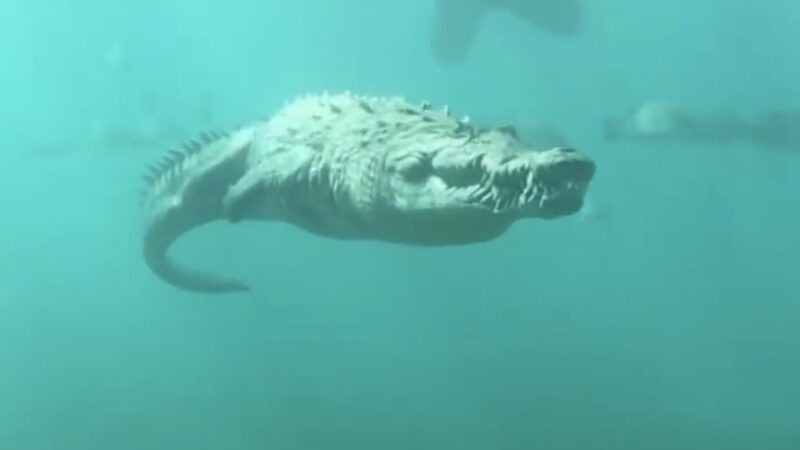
x=665 y=315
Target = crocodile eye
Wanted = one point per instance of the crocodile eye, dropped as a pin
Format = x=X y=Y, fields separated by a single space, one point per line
x=415 y=168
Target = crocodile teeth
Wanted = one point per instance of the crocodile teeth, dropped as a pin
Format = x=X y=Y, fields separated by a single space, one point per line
x=530 y=194
x=496 y=208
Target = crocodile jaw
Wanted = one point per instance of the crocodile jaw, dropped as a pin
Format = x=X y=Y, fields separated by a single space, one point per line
x=507 y=186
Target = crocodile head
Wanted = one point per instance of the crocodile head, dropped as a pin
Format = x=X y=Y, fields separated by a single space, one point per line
x=473 y=187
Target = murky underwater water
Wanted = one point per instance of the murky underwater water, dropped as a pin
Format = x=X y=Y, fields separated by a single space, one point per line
x=662 y=316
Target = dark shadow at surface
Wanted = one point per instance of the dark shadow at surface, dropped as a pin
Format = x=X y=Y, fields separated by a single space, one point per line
x=456 y=23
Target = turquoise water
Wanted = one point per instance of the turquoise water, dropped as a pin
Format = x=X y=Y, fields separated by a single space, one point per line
x=668 y=320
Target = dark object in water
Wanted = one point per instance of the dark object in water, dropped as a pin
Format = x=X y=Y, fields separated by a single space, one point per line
x=456 y=23
x=778 y=129
x=655 y=122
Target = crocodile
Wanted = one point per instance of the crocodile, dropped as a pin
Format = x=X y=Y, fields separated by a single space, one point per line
x=356 y=167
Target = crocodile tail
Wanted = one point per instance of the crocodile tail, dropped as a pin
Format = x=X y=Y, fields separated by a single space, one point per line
x=184 y=191
x=155 y=249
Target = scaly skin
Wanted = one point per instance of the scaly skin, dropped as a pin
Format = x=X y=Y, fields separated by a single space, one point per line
x=360 y=168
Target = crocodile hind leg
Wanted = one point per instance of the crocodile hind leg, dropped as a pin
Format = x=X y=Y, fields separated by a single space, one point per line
x=258 y=192
x=242 y=197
